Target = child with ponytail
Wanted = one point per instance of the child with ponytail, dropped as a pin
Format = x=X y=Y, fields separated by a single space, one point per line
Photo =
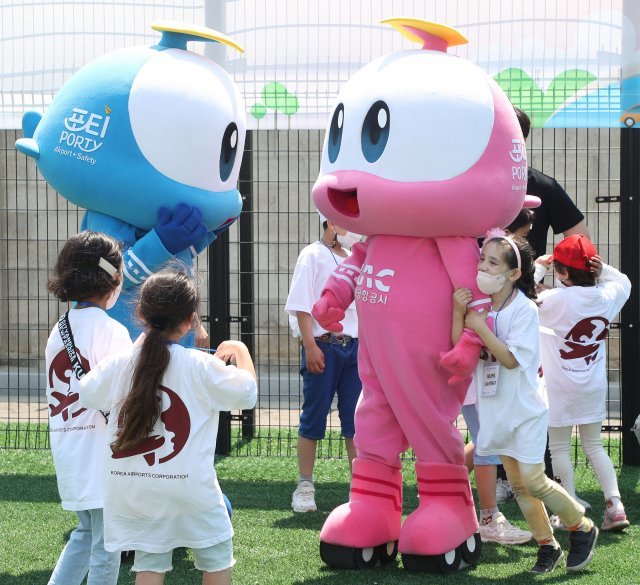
x=161 y=486
x=513 y=410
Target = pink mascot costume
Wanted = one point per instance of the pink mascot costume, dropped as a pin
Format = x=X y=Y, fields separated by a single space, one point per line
x=423 y=154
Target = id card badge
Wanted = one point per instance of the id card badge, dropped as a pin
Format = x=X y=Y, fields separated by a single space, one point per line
x=490 y=373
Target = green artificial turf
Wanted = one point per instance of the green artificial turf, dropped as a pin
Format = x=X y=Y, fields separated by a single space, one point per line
x=274 y=545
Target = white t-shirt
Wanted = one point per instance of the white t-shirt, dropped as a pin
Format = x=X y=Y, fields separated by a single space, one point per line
x=513 y=422
x=165 y=494
x=574 y=323
x=77 y=434
x=315 y=264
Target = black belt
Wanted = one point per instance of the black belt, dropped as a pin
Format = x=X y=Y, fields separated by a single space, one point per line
x=337 y=339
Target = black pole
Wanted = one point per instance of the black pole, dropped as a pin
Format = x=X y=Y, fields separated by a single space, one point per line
x=245 y=253
x=630 y=265
x=219 y=319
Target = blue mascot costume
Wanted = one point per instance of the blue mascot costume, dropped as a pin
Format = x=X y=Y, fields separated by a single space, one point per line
x=149 y=141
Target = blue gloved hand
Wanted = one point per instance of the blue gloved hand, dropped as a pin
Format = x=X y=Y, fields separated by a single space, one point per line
x=180 y=229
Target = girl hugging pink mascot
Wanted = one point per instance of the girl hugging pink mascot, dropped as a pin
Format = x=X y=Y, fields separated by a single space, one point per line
x=423 y=154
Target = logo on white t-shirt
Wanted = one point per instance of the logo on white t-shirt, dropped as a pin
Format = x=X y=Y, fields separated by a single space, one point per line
x=583 y=341
x=156 y=448
x=60 y=372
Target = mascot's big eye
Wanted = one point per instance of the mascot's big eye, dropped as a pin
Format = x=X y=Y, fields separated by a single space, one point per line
x=228 y=151
x=335 y=133
x=375 y=131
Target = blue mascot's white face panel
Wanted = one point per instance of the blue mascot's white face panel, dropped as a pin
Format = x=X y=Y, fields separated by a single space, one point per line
x=411 y=116
x=162 y=112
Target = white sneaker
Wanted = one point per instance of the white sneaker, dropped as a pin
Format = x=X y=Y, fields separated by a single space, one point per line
x=615 y=518
x=503 y=491
x=304 y=498
x=500 y=530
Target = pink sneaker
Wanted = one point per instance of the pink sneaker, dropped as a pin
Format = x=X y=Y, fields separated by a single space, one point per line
x=614 y=518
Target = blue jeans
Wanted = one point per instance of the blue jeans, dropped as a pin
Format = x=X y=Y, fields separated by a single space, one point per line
x=340 y=377
x=84 y=555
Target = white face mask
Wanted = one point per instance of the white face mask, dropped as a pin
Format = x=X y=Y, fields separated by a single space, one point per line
x=349 y=239
x=490 y=284
x=111 y=301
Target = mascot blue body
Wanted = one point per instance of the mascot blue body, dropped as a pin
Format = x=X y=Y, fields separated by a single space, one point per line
x=149 y=141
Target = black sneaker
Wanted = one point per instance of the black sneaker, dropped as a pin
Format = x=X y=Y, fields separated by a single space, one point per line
x=548 y=558
x=581 y=545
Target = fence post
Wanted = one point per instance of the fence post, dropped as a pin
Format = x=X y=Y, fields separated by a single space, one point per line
x=630 y=265
x=219 y=319
x=245 y=253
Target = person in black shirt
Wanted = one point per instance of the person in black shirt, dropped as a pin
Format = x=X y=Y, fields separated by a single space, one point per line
x=557 y=210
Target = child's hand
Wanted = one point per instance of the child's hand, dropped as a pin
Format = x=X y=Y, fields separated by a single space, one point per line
x=314 y=359
x=229 y=351
x=475 y=319
x=596 y=265
x=201 y=337
x=545 y=260
x=461 y=298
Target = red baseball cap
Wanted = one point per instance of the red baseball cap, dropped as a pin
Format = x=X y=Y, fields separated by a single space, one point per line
x=575 y=251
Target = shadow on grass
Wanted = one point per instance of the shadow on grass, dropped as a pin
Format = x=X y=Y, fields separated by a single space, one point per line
x=30 y=578
x=276 y=495
x=395 y=573
x=28 y=488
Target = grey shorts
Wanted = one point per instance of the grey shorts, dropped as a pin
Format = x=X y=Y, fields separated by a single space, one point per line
x=211 y=559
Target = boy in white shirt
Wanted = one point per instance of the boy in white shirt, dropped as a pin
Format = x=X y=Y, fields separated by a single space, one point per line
x=329 y=361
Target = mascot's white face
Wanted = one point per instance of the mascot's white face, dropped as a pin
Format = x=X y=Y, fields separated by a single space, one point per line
x=422 y=143
x=161 y=113
x=432 y=106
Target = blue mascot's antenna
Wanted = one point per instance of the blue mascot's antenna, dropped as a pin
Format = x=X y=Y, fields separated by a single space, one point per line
x=175 y=35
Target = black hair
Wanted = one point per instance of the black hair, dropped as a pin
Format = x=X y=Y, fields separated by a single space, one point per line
x=77 y=274
x=525 y=122
x=526 y=282
x=525 y=217
x=325 y=224
x=577 y=276
x=167 y=299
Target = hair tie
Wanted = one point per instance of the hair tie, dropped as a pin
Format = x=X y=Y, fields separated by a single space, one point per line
x=156 y=326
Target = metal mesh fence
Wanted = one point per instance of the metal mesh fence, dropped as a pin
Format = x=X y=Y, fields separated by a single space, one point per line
x=312 y=49
x=284 y=168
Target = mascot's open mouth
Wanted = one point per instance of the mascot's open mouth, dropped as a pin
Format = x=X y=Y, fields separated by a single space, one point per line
x=345 y=201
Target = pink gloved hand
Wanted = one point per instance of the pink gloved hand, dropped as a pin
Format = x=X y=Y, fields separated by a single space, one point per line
x=328 y=311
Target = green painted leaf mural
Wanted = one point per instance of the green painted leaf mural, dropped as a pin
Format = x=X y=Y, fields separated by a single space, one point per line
x=276 y=97
x=540 y=105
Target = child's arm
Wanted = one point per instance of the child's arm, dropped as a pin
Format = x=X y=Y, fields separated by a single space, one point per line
x=608 y=274
x=461 y=298
x=339 y=291
x=476 y=320
x=541 y=266
x=313 y=354
x=229 y=387
x=97 y=387
x=238 y=352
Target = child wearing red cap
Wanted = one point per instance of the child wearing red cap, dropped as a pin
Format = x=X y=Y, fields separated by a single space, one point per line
x=574 y=323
